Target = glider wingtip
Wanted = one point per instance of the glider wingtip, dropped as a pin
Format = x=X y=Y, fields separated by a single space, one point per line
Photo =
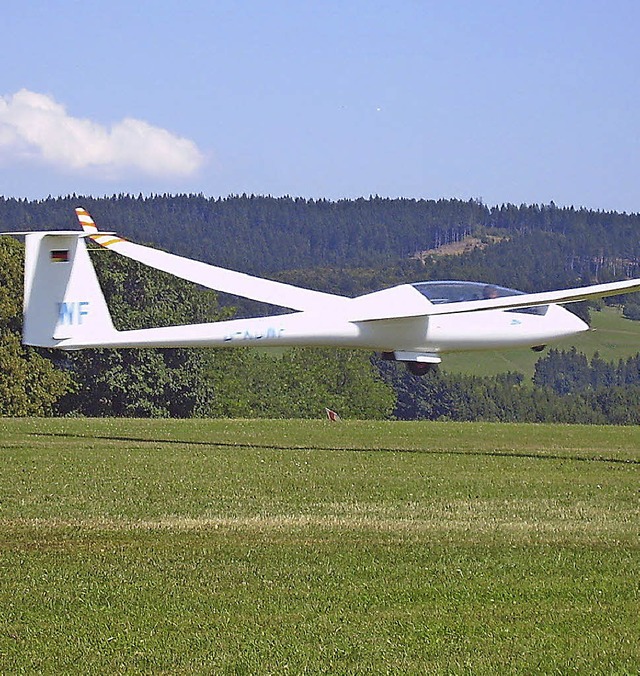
x=86 y=222
x=100 y=237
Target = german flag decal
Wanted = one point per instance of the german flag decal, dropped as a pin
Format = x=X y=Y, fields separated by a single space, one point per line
x=60 y=256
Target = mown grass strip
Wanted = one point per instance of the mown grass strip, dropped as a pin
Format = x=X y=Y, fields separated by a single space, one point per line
x=265 y=546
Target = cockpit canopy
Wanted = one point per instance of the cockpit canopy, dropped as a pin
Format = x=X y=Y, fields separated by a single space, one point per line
x=458 y=292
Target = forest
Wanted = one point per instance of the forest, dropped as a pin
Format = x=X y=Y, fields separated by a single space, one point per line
x=348 y=247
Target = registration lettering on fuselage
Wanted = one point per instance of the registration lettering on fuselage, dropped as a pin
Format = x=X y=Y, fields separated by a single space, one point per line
x=271 y=333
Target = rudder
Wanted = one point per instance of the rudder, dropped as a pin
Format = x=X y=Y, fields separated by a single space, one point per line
x=63 y=301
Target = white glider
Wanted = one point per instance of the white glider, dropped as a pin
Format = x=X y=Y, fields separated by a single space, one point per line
x=64 y=308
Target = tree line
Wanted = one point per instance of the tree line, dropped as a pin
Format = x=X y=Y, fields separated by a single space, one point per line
x=265 y=235
x=596 y=392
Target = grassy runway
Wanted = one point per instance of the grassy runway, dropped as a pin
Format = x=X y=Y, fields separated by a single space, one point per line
x=241 y=547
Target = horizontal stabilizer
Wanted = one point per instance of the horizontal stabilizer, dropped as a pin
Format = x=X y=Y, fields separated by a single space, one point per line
x=50 y=233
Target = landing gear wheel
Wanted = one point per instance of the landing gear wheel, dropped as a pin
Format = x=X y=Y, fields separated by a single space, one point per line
x=420 y=368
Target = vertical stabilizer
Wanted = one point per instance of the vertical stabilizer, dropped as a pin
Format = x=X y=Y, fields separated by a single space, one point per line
x=63 y=301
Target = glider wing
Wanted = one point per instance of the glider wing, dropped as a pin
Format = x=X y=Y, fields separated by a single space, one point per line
x=404 y=301
x=212 y=277
x=399 y=302
x=544 y=298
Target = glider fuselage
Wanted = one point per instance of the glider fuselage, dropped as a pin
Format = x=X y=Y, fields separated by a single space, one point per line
x=488 y=329
x=64 y=307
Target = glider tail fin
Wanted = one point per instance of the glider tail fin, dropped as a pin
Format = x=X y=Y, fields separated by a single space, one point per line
x=63 y=303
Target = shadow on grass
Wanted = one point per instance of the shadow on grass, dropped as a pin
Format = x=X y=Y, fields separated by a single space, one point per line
x=294 y=447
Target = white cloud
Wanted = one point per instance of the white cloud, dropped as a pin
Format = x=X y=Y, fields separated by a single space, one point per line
x=34 y=126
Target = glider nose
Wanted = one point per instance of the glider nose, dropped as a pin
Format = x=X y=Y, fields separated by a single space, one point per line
x=571 y=323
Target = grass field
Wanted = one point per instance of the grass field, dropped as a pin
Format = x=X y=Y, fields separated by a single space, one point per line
x=241 y=547
x=613 y=336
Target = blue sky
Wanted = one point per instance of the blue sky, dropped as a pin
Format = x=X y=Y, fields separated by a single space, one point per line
x=503 y=101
